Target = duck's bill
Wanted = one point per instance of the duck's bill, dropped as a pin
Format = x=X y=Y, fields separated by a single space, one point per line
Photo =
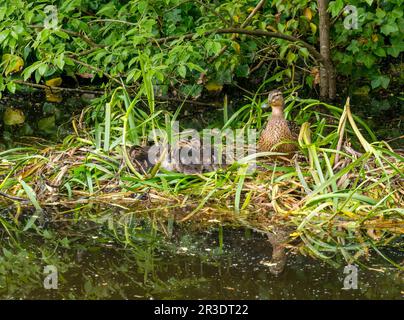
x=265 y=106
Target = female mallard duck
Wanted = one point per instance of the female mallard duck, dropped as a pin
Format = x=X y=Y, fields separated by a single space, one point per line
x=278 y=131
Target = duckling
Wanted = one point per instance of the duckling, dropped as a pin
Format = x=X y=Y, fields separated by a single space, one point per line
x=140 y=158
x=278 y=130
x=185 y=157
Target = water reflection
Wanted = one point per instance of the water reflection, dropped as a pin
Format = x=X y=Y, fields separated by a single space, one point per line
x=94 y=266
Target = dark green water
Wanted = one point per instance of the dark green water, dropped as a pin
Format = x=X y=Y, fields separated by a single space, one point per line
x=93 y=264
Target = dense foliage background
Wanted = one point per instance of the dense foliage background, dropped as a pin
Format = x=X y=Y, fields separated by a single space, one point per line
x=105 y=38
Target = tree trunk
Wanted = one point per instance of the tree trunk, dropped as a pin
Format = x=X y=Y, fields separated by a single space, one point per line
x=327 y=72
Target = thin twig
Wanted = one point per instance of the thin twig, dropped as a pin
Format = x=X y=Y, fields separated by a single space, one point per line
x=81 y=35
x=42 y=86
x=256 y=67
x=253 y=13
x=259 y=33
x=207 y=104
x=5 y=195
x=95 y=69
x=158 y=98
x=85 y=52
x=113 y=20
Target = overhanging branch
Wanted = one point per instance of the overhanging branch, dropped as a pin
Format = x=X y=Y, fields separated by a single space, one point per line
x=258 y=33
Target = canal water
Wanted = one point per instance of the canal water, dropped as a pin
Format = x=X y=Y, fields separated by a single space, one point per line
x=97 y=263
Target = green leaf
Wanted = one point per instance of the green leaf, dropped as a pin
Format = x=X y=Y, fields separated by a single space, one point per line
x=368 y=60
x=31 y=195
x=60 y=61
x=62 y=34
x=291 y=57
x=31 y=221
x=304 y=52
x=335 y=7
x=353 y=46
x=3 y=10
x=380 y=52
x=47 y=124
x=42 y=69
x=193 y=66
x=380 y=13
x=397 y=46
x=11 y=86
x=389 y=28
x=393 y=51
x=4 y=34
x=29 y=70
x=385 y=80
x=182 y=71
x=382 y=81
x=37 y=76
x=107 y=10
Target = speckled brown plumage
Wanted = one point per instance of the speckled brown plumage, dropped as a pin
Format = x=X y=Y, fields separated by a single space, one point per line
x=185 y=157
x=278 y=131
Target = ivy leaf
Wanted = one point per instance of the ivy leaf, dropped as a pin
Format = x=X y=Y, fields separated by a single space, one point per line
x=335 y=7
x=389 y=28
x=380 y=13
x=382 y=81
x=368 y=60
x=353 y=47
x=394 y=51
x=380 y=52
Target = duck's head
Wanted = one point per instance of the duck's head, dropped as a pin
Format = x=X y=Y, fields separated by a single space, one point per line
x=275 y=99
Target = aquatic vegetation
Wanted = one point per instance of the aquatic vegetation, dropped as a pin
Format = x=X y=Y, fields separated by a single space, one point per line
x=339 y=198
